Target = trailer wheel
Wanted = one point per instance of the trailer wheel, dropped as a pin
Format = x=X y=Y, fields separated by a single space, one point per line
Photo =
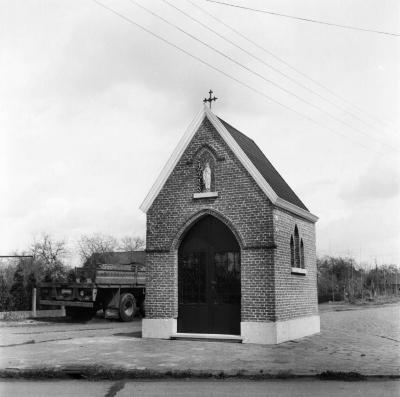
x=80 y=313
x=127 y=307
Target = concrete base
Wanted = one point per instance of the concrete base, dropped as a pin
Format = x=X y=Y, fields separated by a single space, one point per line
x=255 y=332
x=270 y=333
x=161 y=328
x=297 y=328
x=213 y=337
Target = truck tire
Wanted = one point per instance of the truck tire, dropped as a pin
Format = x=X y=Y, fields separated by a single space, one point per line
x=127 y=307
x=80 y=313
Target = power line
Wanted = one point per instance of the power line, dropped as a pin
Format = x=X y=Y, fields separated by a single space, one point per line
x=298 y=97
x=360 y=110
x=304 y=19
x=267 y=64
x=131 y=21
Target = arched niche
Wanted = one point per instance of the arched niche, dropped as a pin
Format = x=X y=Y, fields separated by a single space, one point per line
x=204 y=157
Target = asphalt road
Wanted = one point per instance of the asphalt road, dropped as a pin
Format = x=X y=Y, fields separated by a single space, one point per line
x=189 y=388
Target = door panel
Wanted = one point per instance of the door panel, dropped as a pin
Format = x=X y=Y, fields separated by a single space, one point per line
x=193 y=308
x=227 y=277
x=226 y=306
x=192 y=278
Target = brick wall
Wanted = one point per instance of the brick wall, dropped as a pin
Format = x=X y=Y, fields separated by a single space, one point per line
x=240 y=203
x=248 y=212
x=239 y=198
x=258 y=301
x=296 y=295
x=161 y=285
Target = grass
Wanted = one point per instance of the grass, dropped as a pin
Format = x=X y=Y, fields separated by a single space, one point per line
x=93 y=373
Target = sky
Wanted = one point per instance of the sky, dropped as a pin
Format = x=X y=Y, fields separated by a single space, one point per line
x=91 y=108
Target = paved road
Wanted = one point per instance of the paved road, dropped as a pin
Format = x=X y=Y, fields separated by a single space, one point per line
x=365 y=341
x=355 y=323
x=189 y=388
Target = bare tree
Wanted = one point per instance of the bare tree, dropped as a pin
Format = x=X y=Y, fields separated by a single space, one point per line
x=129 y=243
x=49 y=250
x=95 y=244
x=48 y=258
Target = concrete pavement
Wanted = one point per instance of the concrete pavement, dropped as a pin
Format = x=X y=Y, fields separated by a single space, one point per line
x=33 y=331
x=360 y=341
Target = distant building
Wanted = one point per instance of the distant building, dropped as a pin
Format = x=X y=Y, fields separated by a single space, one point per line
x=117 y=258
x=230 y=246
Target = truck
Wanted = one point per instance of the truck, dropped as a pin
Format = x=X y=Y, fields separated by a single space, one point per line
x=112 y=281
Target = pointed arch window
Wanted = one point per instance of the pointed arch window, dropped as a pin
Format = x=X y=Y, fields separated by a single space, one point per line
x=291 y=251
x=297 y=260
x=296 y=247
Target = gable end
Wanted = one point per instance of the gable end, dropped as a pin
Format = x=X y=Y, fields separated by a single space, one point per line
x=248 y=153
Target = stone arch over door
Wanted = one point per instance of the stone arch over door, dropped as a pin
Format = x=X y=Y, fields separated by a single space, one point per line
x=209 y=278
x=192 y=220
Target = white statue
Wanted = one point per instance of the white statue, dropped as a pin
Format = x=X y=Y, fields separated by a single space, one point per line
x=207 y=177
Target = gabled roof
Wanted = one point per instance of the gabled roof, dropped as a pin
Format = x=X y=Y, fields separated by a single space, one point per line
x=267 y=170
x=248 y=153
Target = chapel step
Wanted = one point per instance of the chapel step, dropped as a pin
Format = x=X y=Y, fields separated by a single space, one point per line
x=207 y=337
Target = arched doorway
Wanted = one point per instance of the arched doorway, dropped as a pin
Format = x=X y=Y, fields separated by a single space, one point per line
x=209 y=279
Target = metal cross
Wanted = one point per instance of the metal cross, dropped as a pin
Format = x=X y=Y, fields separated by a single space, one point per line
x=210 y=99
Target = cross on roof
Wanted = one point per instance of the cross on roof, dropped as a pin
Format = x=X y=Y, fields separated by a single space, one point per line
x=210 y=99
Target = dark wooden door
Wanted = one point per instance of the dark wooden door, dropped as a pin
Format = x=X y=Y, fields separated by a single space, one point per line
x=209 y=279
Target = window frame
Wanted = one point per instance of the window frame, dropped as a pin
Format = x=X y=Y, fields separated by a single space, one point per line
x=297 y=260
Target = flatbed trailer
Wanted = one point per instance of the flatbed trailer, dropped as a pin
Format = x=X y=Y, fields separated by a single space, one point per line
x=118 y=289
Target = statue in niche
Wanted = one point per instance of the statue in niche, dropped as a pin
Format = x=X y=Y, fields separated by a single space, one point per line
x=199 y=175
x=207 y=177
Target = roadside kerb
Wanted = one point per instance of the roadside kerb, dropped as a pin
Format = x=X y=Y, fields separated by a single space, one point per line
x=117 y=373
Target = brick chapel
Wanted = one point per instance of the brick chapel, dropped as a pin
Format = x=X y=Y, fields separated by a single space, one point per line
x=230 y=248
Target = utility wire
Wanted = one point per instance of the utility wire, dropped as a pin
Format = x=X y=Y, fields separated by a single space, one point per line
x=304 y=19
x=302 y=115
x=371 y=117
x=280 y=87
x=293 y=80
